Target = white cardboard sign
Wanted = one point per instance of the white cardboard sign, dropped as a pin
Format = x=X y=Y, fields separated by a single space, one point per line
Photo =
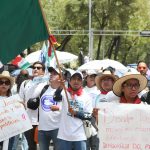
x=13 y=118
x=124 y=126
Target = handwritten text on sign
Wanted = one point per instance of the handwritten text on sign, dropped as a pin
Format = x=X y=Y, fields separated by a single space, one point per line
x=13 y=118
x=124 y=126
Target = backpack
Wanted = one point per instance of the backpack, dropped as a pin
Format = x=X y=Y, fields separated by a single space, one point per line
x=146 y=97
x=25 y=83
x=33 y=103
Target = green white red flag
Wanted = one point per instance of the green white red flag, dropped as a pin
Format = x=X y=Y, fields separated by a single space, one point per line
x=21 y=25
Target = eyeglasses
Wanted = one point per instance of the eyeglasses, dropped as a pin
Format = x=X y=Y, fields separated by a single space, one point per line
x=4 y=82
x=130 y=86
x=38 y=68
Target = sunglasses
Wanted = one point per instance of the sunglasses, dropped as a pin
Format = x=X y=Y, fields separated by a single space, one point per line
x=38 y=68
x=141 y=67
x=4 y=82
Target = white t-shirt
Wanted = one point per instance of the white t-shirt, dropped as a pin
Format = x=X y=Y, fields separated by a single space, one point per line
x=71 y=128
x=31 y=90
x=93 y=92
x=100 y=98
x=48 y=120
x=111 y=97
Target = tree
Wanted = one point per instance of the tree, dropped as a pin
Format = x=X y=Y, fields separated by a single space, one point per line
x=106 y=15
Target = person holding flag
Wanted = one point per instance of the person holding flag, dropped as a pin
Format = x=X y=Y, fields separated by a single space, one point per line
x=75 y=109
x=49 y=112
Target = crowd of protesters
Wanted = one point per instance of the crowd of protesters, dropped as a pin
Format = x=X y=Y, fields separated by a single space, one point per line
x=66 y=99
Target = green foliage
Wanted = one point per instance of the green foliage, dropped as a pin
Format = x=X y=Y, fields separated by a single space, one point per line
x=106 y=15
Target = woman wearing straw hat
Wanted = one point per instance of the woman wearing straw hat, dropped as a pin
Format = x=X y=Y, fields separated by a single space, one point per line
x=129 y=86
x=6 y=83
x=104 y=83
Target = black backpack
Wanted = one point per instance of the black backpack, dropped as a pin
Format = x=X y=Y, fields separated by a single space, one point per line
x=33 y=103
x=146 y=97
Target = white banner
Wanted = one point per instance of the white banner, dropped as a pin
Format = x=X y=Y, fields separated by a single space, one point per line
x=124 y=126
x=13 y=118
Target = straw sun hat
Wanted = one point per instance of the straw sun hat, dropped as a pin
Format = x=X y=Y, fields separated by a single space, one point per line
x=100 y=77
x=5 y=74
x=118 y=84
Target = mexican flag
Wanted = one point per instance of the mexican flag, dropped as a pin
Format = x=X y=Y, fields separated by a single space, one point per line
x=20 y=62
x=21 y=25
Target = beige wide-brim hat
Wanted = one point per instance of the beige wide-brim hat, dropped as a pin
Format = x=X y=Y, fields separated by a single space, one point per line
x=100 y=77
x=118 y=84
x=5 y=74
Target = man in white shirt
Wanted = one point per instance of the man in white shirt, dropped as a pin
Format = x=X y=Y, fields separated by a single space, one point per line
x=26 y=92
x=49 y=113
x=78 y=107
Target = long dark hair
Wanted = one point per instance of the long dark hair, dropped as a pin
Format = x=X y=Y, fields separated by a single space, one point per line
x=20 y=78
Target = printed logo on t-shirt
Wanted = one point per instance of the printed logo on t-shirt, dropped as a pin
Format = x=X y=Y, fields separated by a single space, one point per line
x=47 y=101
x=103 y=100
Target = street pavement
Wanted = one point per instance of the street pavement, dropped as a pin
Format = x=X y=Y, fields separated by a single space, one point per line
x=50 y=148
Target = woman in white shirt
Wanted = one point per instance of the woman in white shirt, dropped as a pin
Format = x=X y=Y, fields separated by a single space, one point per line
x=6 y=83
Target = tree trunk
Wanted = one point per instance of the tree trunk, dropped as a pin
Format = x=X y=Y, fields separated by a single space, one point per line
x=102 y=23
x=117 y=44
x=99 y=46
x=110 y=49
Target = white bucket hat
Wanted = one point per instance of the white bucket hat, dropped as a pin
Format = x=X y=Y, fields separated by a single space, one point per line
x=118 y=84
x=6 y=74
x=100 y=77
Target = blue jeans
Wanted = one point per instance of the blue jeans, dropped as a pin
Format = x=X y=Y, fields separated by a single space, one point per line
x=72 y=145
x=11 y=143
x=44 y=138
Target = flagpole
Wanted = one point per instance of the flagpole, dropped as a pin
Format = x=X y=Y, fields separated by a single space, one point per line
x=57 y=61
